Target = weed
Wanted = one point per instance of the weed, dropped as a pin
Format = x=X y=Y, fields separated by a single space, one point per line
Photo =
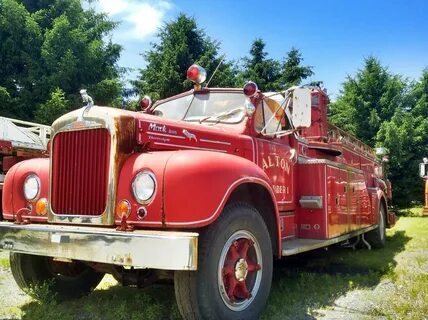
x=42 y=292
x=4 y=263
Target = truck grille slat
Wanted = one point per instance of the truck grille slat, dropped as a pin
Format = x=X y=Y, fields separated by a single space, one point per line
x=80 y=172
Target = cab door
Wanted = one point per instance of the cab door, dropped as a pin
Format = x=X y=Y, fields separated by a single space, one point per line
x=274 y=154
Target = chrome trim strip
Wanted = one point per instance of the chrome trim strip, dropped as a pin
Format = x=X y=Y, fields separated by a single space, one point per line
x=166 y=250
x=304 y=160
x=216 y=142
x=188 y=147
x=165 y=135
x=296 y=246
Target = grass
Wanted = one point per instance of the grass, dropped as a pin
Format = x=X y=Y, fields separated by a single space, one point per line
x=4 y=262
x=303 y=286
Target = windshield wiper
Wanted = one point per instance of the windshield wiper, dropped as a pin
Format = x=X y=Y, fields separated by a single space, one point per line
x=222 y=115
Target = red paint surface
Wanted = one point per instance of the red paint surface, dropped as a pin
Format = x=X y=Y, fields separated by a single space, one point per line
x=13 y=194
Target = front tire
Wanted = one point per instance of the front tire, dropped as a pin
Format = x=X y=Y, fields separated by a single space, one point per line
x=68 y=280
x=234 y=273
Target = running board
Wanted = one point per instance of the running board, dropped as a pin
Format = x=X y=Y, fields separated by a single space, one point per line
x=295 y=246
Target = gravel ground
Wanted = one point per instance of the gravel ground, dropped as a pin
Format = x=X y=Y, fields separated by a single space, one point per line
x=11 y=297
x=357 y=304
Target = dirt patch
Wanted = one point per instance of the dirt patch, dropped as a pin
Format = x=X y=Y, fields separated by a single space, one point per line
x=358 y=304
x=11 y=296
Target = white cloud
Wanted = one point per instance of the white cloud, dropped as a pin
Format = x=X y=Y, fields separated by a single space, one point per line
x=140 y=18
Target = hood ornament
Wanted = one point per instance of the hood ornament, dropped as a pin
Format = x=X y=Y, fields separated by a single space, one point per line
x=89 y=103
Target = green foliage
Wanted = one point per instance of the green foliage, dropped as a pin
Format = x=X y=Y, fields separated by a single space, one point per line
x=292 y=71
x=257 y=68
x=43 y=293
x=367 y=100
x=181 y=43
x=55 y=107
x=381 y=108
x=48 y=45
x=406 y=137
x=107 y=92
x=270 y=74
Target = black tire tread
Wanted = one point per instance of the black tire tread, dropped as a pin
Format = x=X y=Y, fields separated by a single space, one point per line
x=373 y=237
x=185 y=282
x=28 y=270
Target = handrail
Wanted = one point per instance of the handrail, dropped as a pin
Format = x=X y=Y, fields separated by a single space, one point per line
x=336 y=134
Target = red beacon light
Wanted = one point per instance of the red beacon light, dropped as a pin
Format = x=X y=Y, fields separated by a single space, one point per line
x=196 y=74
x=145 y=103
x=250 y=89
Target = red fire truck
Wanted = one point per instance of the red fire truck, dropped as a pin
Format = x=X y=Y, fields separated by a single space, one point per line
x=205 y=188
x=20 y=140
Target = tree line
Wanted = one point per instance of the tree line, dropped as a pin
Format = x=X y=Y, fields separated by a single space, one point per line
x=50 y=49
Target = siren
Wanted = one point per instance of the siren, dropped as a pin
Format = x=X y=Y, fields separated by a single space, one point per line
x=250 y=89
x=196 y=74
x=145 y=103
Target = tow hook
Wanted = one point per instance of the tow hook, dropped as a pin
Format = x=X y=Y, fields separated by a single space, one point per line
x=124 y=226
x=19 y=219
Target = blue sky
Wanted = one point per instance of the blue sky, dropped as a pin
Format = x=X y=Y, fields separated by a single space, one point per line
x=333 y=35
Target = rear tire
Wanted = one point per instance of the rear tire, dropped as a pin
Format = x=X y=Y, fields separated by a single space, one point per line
x=69 y=280
x=234 y=273
x=377 y=237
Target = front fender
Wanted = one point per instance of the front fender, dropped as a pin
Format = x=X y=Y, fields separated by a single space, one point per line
x=13 y=195
x=197 y=185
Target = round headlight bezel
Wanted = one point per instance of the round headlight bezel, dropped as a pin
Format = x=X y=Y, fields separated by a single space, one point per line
x=151 y=176
x=30 y=197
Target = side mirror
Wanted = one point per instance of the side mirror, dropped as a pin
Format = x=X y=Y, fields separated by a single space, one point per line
x=302 y=102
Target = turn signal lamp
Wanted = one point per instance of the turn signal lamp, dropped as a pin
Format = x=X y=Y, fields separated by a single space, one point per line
x=145 y=103
x=123 y=208
x=42 y=206
x=196 y=74
x=250 y=89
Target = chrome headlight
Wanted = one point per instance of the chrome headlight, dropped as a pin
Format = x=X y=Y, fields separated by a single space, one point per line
x=31 y=187
x=144 y=186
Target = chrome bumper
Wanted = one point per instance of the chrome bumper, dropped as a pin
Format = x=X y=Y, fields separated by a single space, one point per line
x=166 y=250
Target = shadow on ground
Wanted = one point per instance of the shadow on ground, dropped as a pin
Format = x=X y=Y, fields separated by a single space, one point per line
x=300 y=285
x=310 y=281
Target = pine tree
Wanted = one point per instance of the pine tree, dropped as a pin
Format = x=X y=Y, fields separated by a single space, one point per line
x=367 y=100
x=48 y=45
x=264 y=72
x=406 y=138
x=181 y=44
x=292 y=72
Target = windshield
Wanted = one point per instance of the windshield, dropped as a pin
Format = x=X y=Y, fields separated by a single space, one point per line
x=227 y=107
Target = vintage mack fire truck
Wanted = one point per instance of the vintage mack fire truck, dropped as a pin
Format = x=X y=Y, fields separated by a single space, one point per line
x=206 y=188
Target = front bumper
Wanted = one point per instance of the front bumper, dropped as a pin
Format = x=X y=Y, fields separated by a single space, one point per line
x=166 y=250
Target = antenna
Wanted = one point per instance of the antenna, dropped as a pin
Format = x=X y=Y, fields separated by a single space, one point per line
x=206 y=86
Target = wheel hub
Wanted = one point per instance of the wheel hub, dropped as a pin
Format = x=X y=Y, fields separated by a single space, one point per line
x=241 y=270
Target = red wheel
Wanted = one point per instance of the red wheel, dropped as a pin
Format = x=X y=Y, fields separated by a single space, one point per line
x=234 y=269
x=240 y=270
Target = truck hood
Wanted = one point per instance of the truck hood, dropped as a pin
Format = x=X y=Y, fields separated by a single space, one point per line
x=157 y=133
